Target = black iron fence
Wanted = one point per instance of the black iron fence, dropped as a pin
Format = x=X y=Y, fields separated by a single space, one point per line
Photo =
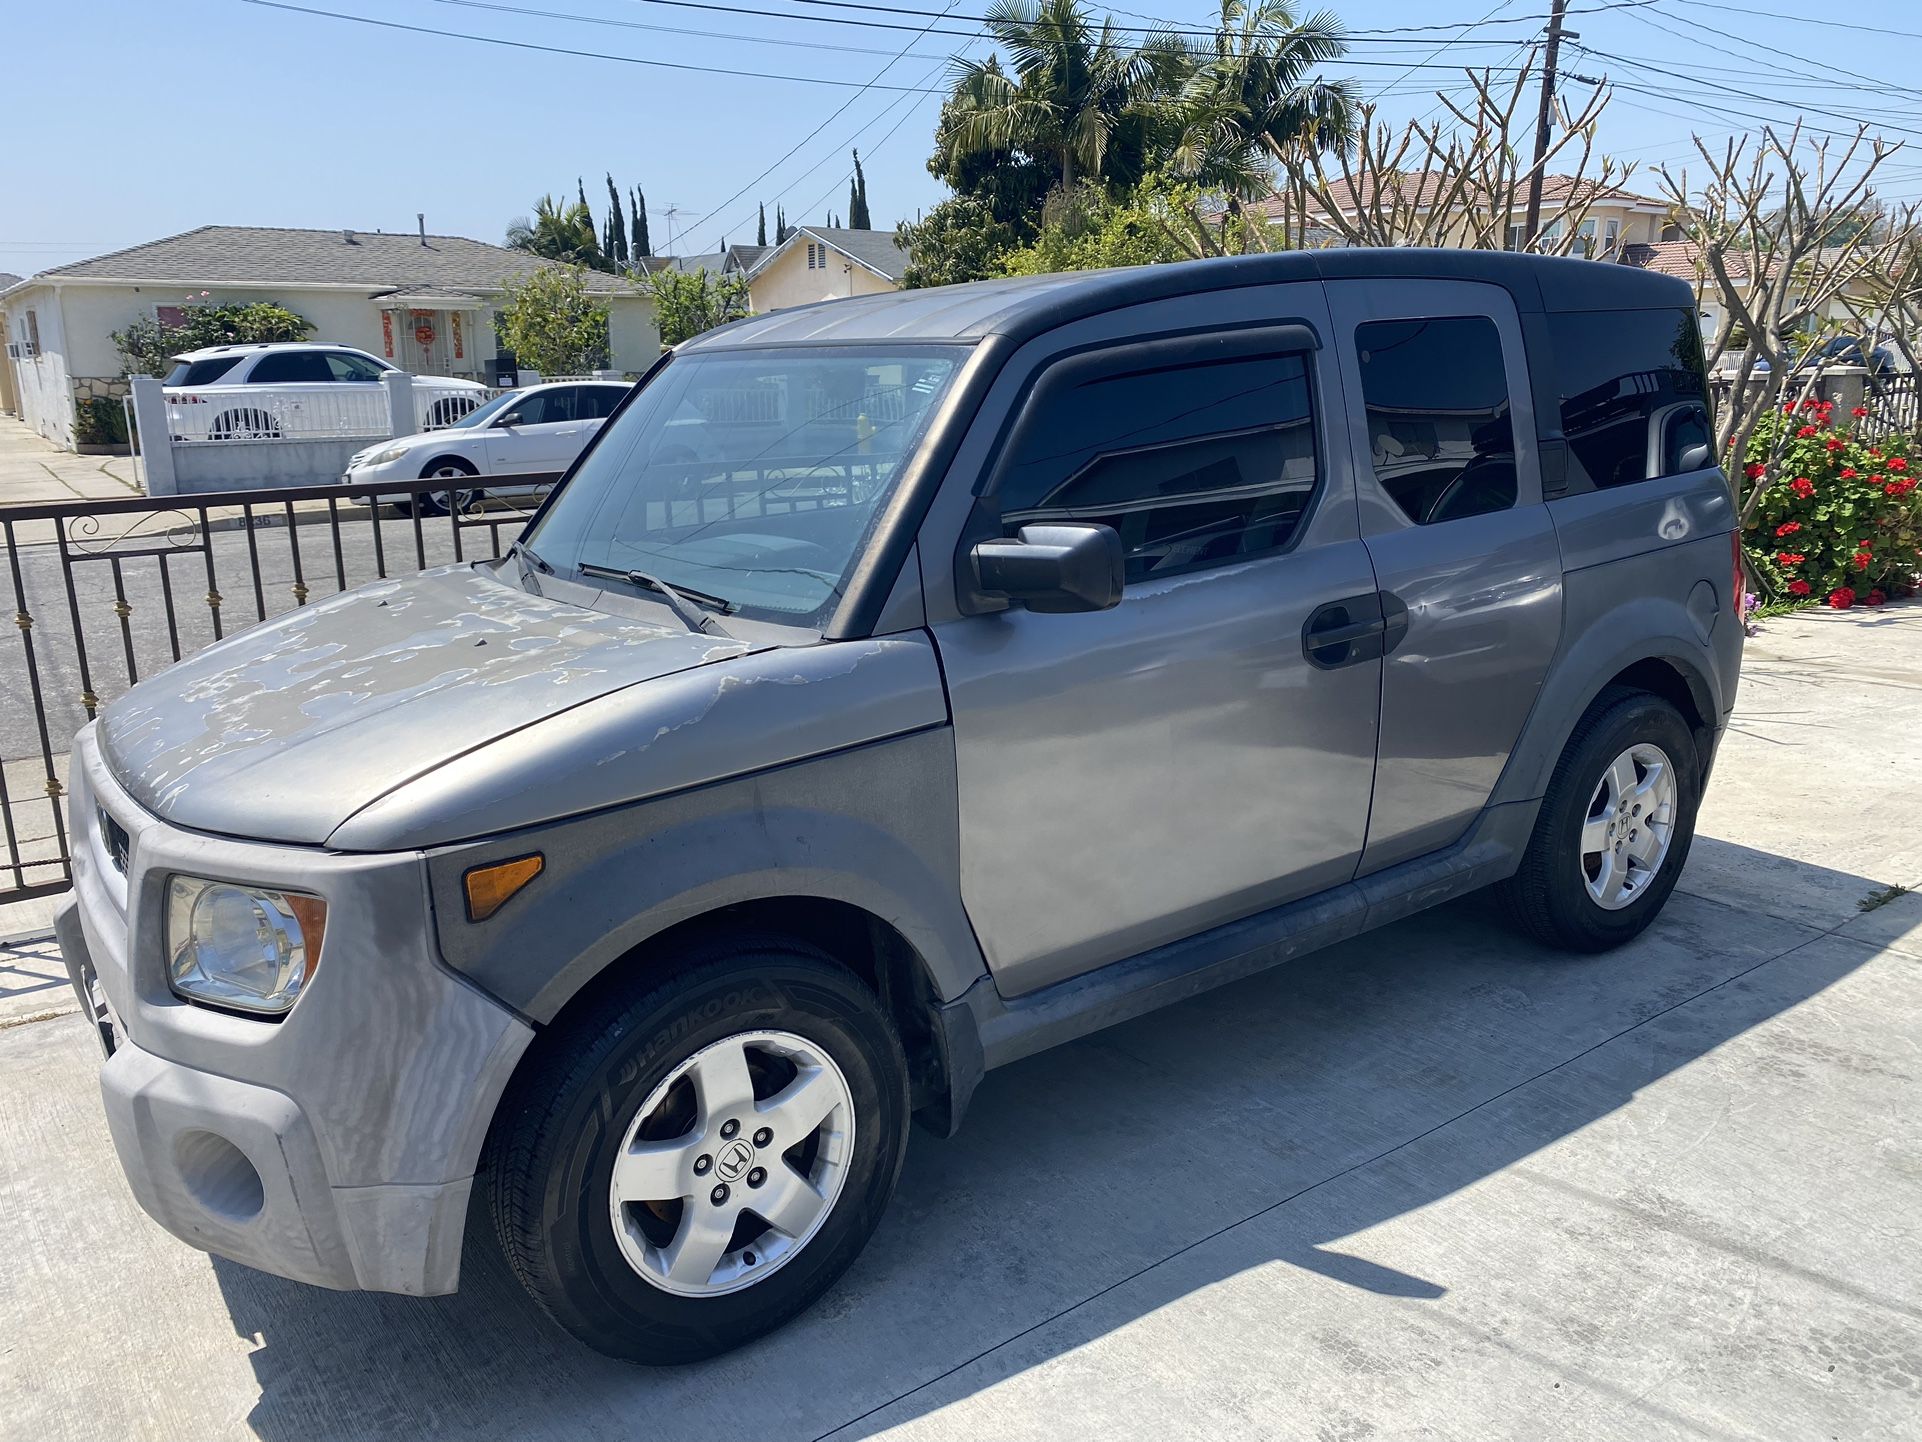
x=105 y=592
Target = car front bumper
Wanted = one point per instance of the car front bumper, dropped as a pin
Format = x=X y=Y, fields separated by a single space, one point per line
x=337 y=1146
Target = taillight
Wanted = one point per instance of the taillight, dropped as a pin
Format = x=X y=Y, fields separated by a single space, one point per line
x=1741 y=578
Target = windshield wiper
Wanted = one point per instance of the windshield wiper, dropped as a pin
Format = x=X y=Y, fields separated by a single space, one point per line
x=528 y=555
x=683 y=603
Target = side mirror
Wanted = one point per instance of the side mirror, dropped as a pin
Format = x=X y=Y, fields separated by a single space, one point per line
x=1698 y=457
x=1054 y=569
x=512 y=418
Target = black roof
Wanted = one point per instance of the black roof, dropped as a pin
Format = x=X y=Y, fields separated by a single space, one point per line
x=1027 y=305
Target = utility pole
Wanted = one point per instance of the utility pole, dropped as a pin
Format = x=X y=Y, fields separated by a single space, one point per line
x=1557 y=13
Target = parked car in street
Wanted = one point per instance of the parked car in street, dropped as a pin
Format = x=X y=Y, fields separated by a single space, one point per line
x=537 y=430
x=315 y=387
x=895 y=688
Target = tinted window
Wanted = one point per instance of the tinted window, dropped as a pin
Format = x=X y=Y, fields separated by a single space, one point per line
x=201 y=372
x=1618 y=371
x=1196 y=466
x=346 y=366
x=1438 y=420
x=598 y=402
x=290 y=367
x=531 y=409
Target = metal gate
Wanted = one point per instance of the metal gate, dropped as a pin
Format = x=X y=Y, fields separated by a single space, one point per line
x=105 y=592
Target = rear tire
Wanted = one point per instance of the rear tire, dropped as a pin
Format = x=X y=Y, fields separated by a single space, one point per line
x=613 y=1258
x=1614 y=828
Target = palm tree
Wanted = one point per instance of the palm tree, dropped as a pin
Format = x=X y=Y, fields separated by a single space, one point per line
x=559 y=231
x=1248 y=98
x=1069 y=87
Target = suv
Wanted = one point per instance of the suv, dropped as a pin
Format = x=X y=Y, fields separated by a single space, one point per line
x=297 y=370
x=894 y=688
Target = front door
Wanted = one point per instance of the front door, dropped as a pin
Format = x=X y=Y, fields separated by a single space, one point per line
x=1134 y=776
x=1449 y=490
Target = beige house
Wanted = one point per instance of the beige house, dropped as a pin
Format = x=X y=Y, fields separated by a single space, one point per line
x=1614 y=219
x=819 y=262
x=424 y=302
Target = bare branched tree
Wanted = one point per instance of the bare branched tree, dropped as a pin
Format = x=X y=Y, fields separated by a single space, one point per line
x=1460 y=180
x=1785 y=231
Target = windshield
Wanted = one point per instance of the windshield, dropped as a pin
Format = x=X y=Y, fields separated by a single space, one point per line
x=486 y=411
x=751 y=476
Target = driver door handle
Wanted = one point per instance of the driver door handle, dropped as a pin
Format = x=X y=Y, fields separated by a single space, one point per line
x=1352 y=630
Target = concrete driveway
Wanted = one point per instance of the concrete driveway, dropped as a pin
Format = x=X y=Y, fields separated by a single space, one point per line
x=1432 y=1183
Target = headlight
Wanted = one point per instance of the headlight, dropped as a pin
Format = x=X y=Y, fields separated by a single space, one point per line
x=380 y=457
x=244 y=947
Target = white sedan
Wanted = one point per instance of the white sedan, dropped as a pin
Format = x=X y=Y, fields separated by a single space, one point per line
x=538 y=430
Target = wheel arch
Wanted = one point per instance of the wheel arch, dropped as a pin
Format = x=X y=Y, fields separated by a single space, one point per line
x=444 y=458
x=1664 y=658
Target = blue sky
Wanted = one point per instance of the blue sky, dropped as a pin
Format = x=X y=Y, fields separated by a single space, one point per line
x=145 y=117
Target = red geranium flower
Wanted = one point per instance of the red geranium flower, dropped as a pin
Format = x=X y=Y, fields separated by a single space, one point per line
x=1789 y=409
x=1862 y=559
x=1841 y=598
x=1896 y=463
x=1802 y=486
x=1789 y=558
x=1858 y=411
x=1805 y=431
x=1848 y=473
x=1833 y=444
x=1798 y=588
x=1753 y=470
x=1875 y=598
x=1788 y=528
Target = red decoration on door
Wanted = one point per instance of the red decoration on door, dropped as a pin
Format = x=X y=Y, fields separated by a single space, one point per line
x=458 y=352
x=424 y=332
x=387 y=332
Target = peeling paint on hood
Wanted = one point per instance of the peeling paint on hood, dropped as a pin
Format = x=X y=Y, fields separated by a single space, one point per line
x=282 y=732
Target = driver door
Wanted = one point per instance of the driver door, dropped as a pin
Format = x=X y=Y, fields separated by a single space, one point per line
x=1134 y=776
x=546 y=438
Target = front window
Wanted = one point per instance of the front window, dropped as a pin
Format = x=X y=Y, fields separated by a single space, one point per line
x=351 y=366
x=751 y=476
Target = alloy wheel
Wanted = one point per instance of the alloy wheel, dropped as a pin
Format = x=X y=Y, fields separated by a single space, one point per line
x=732 y=1163
x=1628 y=827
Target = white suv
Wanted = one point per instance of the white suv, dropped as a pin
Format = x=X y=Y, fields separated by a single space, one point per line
x=317 y=389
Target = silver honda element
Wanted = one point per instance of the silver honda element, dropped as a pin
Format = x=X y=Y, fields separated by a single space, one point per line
x=896 y=687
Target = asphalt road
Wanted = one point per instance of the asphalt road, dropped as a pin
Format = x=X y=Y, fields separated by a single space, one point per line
x=114 y=656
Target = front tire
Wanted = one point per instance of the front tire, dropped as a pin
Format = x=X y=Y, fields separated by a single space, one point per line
x=693 y=1159
x=1614 y=828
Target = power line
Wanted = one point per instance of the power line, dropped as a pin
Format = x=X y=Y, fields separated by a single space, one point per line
x=873 y=83
x=1825 y=22
x=564 y=50
x=1731 y=90
x=1466 y=30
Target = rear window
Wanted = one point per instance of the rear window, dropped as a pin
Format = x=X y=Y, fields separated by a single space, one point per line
x=200 y=372
x=1633 y=391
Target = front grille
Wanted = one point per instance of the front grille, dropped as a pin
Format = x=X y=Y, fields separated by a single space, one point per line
x=114 y=837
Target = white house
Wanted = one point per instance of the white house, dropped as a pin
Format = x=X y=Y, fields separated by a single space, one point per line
x=424 y=302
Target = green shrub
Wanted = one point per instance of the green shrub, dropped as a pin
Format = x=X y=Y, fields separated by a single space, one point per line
x=1837 y=519
x=100 y=421
x=147 y=347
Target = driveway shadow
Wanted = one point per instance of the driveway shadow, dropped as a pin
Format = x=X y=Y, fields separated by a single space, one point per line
x=1295 y=1097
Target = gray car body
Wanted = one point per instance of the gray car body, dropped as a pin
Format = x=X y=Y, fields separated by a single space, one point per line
x=967 y=800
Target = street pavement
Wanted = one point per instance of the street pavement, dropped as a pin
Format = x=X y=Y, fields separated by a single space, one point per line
x=1432 y=1183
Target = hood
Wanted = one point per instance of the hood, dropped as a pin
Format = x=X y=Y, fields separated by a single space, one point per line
x=283 y=732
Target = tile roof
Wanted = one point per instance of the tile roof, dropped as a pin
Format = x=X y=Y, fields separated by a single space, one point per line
x=265 y=255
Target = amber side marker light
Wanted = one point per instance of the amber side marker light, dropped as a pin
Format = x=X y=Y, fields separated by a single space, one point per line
x=490 y=887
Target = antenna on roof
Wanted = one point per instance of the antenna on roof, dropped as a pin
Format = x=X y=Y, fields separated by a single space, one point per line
x=421 y=217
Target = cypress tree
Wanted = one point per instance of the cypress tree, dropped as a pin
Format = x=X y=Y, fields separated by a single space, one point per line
x=760 y=227
x=858 y=217
x=642 y=245
x=854 y=201
x=781 y=232
x=616 y=226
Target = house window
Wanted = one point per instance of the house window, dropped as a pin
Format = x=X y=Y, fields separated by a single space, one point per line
x=33 y=330
x=1611 y=232
x=1515 y=237
x=1584 y=239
